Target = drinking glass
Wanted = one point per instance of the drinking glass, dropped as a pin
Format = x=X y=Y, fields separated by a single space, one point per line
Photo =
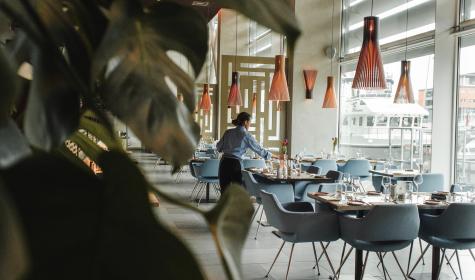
x=385 y=183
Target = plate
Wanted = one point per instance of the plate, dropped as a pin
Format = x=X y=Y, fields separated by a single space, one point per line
x=432 y=202
x=319 y=193
x=373 y=193
x=356 y=203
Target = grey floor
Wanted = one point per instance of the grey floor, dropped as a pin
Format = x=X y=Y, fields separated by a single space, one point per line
x=259 y=254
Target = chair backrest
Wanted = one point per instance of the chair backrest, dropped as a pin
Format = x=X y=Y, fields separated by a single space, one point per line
x=356 y=167
x=432 y=182
x=210 y=168
x=390 y=223
x=273 y=209
x=253 y=163
x=327 y=187
x=326 y=165
x=334 y=175
x=283 y=192
x=251 y=185
x=314 y=169
x=457 y=222
x=377 y=182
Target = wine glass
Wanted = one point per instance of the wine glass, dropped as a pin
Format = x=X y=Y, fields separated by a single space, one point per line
x=385 y=183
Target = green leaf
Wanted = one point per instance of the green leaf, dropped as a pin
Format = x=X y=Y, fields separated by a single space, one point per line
x=153 y=251
x=275 y=14
x=53 y=105
x=92 y=124
x=134 y=51
x=13 y=256
x=13 y=145
x=229 y=222
x=8 y=88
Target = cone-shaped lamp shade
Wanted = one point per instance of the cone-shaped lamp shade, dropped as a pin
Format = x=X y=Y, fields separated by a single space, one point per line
x=404 y=92
x=279 y=91
x=309 y=76
x=369 y=71
x=205 y=103
x=254 y=103
x=234 y=97
x=330 y=98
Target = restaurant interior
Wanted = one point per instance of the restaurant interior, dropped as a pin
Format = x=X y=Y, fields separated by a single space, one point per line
x=367 y=108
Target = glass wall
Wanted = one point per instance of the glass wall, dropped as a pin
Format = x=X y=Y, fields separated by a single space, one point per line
x=371 y=125
x=467 y=10
x=465 y=137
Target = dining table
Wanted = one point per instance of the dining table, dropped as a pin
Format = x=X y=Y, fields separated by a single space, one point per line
x=361 y=203
x=292 y=179
x=397 y=175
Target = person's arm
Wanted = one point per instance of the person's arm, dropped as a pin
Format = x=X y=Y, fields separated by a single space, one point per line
x=219 y=145
x=252 y=144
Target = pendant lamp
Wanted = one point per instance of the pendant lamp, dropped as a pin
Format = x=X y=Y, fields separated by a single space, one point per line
x=309 y=76
x=254 y=103
x=369 y=71
x=234 y=97
x=279 y=90
x=404 y=92
x=330 y=98
x=329 y=101
x=205 y=103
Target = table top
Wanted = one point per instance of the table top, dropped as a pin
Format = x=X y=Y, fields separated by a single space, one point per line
x=367 y=202
x=304 y=176
x=396 y=173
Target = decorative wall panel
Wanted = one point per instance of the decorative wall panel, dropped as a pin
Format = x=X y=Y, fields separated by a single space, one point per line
x=255 y=76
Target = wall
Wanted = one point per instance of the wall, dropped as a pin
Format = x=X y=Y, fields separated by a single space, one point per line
x=311 y=127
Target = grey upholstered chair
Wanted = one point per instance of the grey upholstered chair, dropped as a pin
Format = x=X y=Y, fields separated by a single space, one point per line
x=299 y=227
x=386 y=228
x=253 y=163
x=334 y=175
x=325 y=165
x=314 y=170
x=454 y=229
x=283 y=192
x=207 y=174
x=357 y=167
x=432 y=182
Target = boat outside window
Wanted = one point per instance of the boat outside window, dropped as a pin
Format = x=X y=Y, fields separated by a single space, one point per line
x=407 y=122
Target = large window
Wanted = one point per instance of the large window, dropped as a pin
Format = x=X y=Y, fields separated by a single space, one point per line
x=465 y=145
x=400 y=132
x=467 y=10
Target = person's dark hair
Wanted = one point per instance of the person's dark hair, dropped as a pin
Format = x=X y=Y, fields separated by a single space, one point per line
x=242 y=118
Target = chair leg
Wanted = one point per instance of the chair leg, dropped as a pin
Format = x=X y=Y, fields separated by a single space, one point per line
x=440 y=264
x=328 y=258
x=382 y=264
x=193 y=191
x=341 y=260
x=255 y=212
x=258 y=224
x=418 y=260
x=278 y=253
x=420 y=246
x=410 y=256
x=337 y=273
x=471 y=253
x=451 y=267
x=458 y=262
x=316 y=259
x=364 y=265
x=399 y=265
x=321 y=255
x=290 y=260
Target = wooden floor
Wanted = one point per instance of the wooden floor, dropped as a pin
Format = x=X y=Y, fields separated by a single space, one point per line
x=259 y=254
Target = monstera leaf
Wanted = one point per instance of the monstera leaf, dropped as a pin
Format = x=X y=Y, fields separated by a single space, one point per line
x=134 y=88
x=13 y=256
x=275 y=14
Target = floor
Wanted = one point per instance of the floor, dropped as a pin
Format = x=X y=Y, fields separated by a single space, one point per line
x=258 y=254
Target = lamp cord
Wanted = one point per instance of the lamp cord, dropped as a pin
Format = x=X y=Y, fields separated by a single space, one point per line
x=235 y=47
x=407 y=21
x=331 y=50
x=372 y=7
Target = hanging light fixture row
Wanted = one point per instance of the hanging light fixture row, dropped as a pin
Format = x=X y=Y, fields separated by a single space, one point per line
x=309 y=76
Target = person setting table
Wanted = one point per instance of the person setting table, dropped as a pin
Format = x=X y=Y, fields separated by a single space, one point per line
x=233 y=145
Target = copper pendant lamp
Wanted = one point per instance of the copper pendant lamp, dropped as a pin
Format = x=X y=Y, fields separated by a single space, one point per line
x=329 y=101
x=404 y=93
x=205 y=103
x=279 y=90
x=369 y=71
x=254 y=103
x=309 y=76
